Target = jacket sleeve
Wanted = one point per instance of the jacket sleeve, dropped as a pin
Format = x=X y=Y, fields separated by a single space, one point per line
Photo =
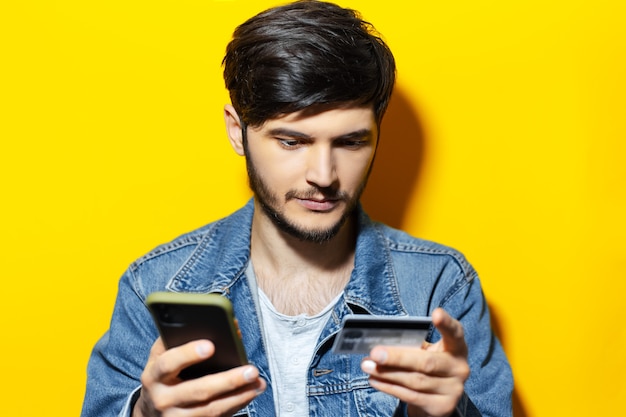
x=118 y=358
x=490 y=384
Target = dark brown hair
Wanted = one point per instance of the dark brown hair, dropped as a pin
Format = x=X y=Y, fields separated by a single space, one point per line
x=306 y=54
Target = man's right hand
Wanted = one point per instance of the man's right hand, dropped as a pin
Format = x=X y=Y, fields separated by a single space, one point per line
x=220 y=394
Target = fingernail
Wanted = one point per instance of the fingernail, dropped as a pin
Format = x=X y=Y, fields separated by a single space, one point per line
x=250 y=374
x=202 y=349
x=368 y=366
x=379 y=355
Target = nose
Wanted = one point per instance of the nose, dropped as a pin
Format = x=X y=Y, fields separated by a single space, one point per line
x=321 y=170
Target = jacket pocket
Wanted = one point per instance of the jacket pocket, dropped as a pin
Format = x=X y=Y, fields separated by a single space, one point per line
x=373 y=403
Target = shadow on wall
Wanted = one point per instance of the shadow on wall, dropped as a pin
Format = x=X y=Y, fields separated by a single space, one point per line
x=396 y=176
x=398 y=163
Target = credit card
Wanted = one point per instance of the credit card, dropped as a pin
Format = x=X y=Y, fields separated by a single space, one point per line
x=360 y=332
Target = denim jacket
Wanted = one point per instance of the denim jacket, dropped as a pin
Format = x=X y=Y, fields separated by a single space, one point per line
x=394 y=274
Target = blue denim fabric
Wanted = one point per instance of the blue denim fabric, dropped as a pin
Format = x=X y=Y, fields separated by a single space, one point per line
x=394 y=274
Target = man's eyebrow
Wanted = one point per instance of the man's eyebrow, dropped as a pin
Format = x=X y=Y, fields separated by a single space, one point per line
x=284 y=132
x=357 y=134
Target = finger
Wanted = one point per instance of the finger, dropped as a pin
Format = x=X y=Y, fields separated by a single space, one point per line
x=452 y=334
x=231 y=401
x=228 y=387
x=387 y=359
x=166 y=366
x=407 y=358
x=157 y=348
x=429 y=403
x=227 y=383
x=416 y=381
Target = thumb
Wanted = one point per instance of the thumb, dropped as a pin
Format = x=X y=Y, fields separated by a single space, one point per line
x=452 y=334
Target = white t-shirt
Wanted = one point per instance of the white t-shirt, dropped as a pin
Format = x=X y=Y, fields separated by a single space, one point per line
x=290 y=342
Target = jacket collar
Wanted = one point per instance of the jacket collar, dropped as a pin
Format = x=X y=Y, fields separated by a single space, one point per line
x=222 y=256
x=373 y=286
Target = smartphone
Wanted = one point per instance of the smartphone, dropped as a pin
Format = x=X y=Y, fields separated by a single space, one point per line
x=184 y=317
x=360 y=332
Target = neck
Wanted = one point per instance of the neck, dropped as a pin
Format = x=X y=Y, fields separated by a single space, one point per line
x=278 y=249
x=300 y=276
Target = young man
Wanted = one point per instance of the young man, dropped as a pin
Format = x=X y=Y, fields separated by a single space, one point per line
x=309 y=84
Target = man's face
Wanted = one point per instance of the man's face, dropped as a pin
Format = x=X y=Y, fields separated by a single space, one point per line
x=308 y=171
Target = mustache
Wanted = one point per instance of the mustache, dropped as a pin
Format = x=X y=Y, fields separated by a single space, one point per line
x=316 y=193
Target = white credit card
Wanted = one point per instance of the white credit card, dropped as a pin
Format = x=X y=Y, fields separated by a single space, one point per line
x=361 y=332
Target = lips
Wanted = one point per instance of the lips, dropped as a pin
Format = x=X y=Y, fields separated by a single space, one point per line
x=318 y=205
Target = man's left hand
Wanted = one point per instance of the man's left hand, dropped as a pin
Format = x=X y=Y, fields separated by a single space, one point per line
x=429 y=378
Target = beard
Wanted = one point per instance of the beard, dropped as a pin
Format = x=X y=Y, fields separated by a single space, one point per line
x=270 y=204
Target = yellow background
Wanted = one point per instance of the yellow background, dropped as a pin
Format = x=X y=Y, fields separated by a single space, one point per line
x=506 y=139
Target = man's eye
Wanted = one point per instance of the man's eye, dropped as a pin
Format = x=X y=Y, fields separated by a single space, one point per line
x=289 y=143
x=353 y=144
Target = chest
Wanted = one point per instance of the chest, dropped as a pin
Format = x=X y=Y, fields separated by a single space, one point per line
x=301 y=292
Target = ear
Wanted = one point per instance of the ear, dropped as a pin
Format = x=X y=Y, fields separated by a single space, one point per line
x=233 y=129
